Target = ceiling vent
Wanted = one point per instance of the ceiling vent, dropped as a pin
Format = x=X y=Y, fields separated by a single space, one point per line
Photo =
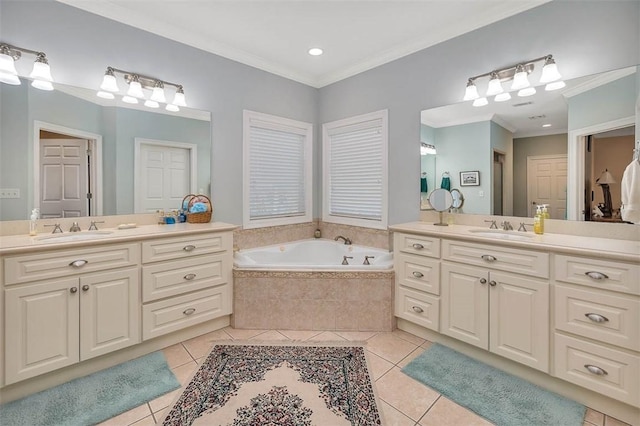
x=537 y=117
x=522 y=104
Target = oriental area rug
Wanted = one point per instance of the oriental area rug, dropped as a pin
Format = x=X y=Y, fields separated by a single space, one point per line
x=272 y=384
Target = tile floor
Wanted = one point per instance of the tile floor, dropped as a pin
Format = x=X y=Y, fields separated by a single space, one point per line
x=387 y=353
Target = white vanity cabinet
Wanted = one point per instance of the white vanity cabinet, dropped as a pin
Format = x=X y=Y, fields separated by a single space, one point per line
x=66 y=306
x=501 y=306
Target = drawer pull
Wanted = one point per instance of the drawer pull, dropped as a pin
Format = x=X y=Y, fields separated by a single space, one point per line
x=595 y=370
x=189 y=311
x=483 y=280
x=190 y=247
x=489 y=258
x=596 y=317
x=85 y=287
x=417 y=246
x=189 y=277
x=417 y=309
x=79 y=263
x=73 y=289
x=596 y=275
x=418 y=274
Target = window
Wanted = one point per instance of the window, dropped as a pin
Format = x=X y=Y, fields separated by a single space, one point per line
x=355 y=170
x=277 y=170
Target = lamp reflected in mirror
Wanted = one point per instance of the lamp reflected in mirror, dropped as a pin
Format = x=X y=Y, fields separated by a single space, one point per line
x=604 y=181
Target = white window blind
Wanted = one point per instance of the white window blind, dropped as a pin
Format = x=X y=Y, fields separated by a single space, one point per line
x=355 y=157
x=277 y=170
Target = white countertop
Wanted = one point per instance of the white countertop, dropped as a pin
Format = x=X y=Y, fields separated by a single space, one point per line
x=606 y=248
x=25 y=243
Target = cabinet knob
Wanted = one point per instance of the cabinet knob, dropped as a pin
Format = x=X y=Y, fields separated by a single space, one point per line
x=492 y=283
x=595 y=370
x=73 y=289
x=190 y=247
x=79 y=263
x=85 y=287
x=483 y=280
x=417 y=309
x=489 y=258
x=189 y=311
x=418 y=274
x=596 y=275
x=596 y=317
x=189 y=277
x=417 y=246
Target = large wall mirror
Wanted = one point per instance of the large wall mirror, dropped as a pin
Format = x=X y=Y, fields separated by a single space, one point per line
x=58 y=146
x=551 y=148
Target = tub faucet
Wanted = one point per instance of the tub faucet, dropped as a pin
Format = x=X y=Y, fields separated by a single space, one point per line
x=345 y=260
x=366 y=260
x=346 y=240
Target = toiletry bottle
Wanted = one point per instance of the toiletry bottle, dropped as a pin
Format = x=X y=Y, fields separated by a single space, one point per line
x=160 y=217
x=33 y=224
x=545 y=211
x=317 y=233
x=538 y=222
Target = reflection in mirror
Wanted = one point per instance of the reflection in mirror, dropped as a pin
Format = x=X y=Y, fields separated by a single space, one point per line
x=458 y=199
x=73 y=154
x=540 y=149
x=440 y=199
x=427 y=172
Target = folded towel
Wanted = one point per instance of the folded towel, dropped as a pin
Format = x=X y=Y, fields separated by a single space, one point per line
x=198 y=208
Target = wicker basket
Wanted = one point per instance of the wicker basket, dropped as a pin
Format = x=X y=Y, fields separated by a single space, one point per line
x=200 y=217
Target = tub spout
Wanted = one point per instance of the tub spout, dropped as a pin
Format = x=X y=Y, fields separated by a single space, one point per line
x=346 y=240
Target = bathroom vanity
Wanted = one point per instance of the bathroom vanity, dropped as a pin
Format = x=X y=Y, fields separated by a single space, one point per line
x=566 y=307
x=77 y=302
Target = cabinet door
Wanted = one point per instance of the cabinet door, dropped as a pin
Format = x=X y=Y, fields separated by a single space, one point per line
x=465 y=304
x=109 y=311
x=519 y=321
x=41 y=328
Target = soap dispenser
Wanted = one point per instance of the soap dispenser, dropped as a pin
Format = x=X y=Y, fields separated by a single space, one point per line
x=33 y=222
x=538 y=222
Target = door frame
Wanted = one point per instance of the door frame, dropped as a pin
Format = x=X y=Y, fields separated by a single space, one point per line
x=95 y=177
x=531 y=158
x=577 y=143
x=137 y=178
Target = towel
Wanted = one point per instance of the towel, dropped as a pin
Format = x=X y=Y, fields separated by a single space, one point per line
x=198 y=208
x=423 y=185
x=630 y=192
x=446 y=183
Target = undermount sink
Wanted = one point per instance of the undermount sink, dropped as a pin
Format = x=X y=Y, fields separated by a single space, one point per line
x=503 y=235
x=75 y=236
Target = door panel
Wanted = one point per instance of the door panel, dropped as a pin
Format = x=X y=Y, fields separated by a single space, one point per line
x=547 y=184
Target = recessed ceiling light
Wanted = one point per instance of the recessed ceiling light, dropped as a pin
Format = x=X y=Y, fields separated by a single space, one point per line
x=315 y=51
x=546 y=125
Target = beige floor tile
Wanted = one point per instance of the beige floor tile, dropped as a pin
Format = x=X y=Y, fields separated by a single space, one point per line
x=356 y=336
x=390 y=347
x=183 y=373
x=408 y=337
x=392 y=417
x=394 y=387
x=242 y=334
x=413 y=355
x=128 y=417
x=201 y=345
x=326 y=336
x=610 y=421
x=594 y=417
x=378 y=367
x=176 y=355
x=447 y=413
x=147 y=421
x=271 y=335
x=299 y=335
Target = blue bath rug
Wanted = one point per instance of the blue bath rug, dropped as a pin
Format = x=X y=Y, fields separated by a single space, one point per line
x=497 y=396
x=92 y=399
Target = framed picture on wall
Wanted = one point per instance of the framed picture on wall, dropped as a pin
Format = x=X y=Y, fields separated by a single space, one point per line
x=470 y=178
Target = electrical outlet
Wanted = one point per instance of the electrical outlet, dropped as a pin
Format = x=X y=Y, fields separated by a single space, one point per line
x=480 y=193
x=9 y=193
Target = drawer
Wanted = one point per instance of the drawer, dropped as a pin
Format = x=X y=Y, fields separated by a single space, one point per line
x=176 y=313
x=420 y=273
x=59 y=263
x=182 y=247
x=604 y=274
x=419 y=308
x=615 y=373
x=519 y=261
x=416 y=244
x=182 y=276
x=613 y=319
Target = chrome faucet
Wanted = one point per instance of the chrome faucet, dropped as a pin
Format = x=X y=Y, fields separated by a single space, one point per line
x=93 y=226
x=523 y=226
x=493 y=224
x=346 y=240
x=506 y=226
x=75 y=227
x=56 y=228
x=366 y=260
x=345 y=261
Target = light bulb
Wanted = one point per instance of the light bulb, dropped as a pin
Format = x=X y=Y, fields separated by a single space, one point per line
x=172 y=108
x=9 y=78
x=501 y=97
x=42 y=85
x=135 y=88
x=520 y=79
x=529 y=91
x=555 y=85
x=105 y=95
x=495 y=86
x=471 y=92
x=7 y=64
x=129 y=99
x=549 y=71
x=178 y=99
x=41 y=69
x=151 y=104
x=480 y=102
x=109 y=83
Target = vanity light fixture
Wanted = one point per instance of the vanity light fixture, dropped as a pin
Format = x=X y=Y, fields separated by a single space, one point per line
x=41 y=73
x=518 y=74
x=427 y=148
x=135 y=92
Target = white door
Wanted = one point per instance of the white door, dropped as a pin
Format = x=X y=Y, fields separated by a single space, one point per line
x=63 y=177
x=547 y=184
x=165 y=174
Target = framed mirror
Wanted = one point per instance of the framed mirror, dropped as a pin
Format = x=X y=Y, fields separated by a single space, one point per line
x=441 y=200
x=458 y=199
